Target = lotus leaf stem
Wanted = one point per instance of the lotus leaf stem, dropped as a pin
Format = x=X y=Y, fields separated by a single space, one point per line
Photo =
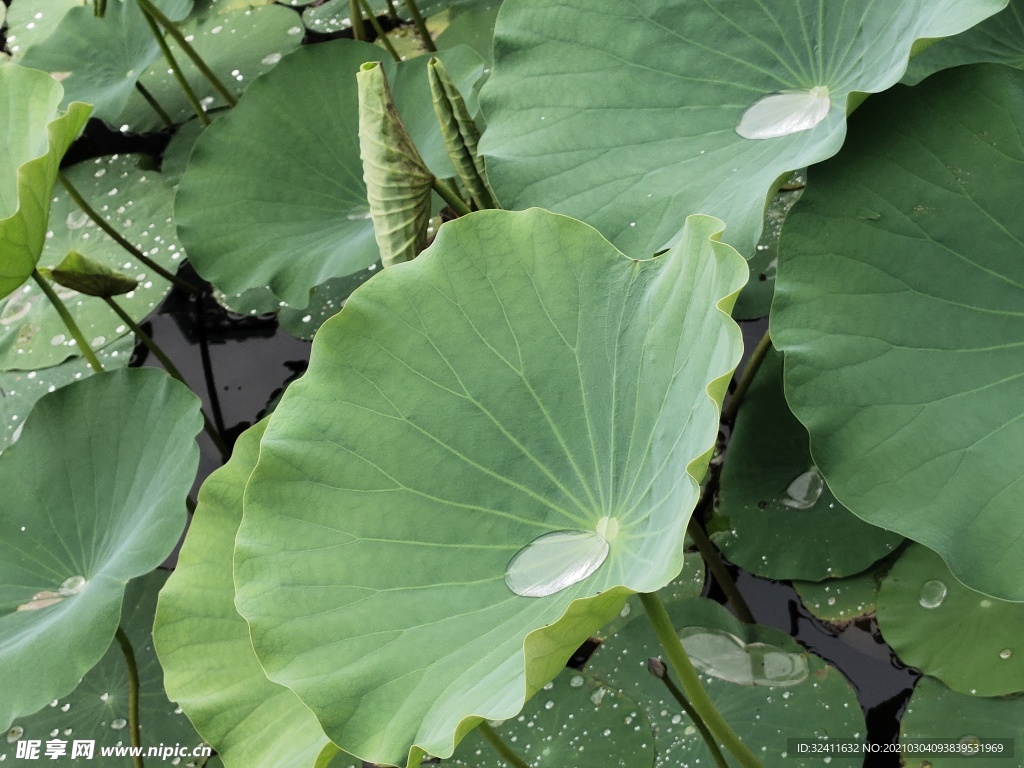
x=151 y=100
x=392 y=12
x=714 y=562
x=379 y=30
x=503 y=749
x=756 y=358
x=133 y=694
x=172 y=62
x=103 y=224
x=421 y=26
x=171 y=368
x=691 y=684
x=451 y=197
x=358 y=30
x=661 y=673
x=155 y=13
x=69 y=322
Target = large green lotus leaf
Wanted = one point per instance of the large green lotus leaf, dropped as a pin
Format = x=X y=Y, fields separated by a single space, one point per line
x=204 y=645
x=35 y=136
x=94 y=494
x=572 y=722
x=274 y=193
x=100 y=59
x=137 y=203
x=997 y=40
x=19 y=390
x=775 y=515
x=815 y=702
x=898 y=307
x=626 y=115
x=238 y=46
x=936 y=713
x=32 y=21
x=537 y=381
x=97 y=710
x=971 y=642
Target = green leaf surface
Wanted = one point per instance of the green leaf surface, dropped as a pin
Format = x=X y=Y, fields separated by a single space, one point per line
x=138 y=204
x=32 y=21
x=19 y=390
x=997 y=40
x=264 y=203
x=80 y=273
x=472 y=24
x=99 y=60
x=398 y=183
x=822 y=704
x=204 y=644
x=97 y=710
x=625 y=115
x=95 y=491
x=35 y=136
x=971 y=642
x=572 y=722
x=898 y=306
x=238 y=46
x=537 y=381
x=842 y=600
x=775 y=516
x=935 y=712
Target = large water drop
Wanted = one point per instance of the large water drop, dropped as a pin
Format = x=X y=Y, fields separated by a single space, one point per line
x=805 y=490
x=722 y=655
x=782 y=114
x=554 y=561
x=933 y=592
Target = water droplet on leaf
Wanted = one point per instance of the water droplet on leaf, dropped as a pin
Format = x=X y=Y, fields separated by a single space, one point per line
x=933 y=592
x=782 y=114
x=805 y=490
x=555 y=561
x=724 y=656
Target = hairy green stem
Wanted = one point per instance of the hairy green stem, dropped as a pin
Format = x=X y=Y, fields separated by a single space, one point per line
x=692 y=686
x=155 y=13
x=379 y=30
x=661 y=673
x=133 y=694
x=151 y=100
x=421 y=26
x=171 y=368
x=710 y=556
x=103 y=224
x=358 y=31
x=69 y=322
x=186 y=88
x=451 y=197
x=503 y=749
x=751 y=369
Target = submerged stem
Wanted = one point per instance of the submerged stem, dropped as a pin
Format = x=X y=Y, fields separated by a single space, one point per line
x=133 y=694
x=449 y=195
x=710 y=556
x=503 y=749
x=171 y=368
x=69 y=322
x=379 y=30
x=172 y=62
x=155 y=13
x=151 y=100
x=421 y=26
x=751 y=369
x=692 y=686
x=103 y=224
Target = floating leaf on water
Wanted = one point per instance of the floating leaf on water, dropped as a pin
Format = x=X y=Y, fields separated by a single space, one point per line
x=782 y=114
x=554 y=561
x=722 y=655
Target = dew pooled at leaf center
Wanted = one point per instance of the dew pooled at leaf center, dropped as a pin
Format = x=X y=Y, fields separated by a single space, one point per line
x=556 y=560
x=782 y=114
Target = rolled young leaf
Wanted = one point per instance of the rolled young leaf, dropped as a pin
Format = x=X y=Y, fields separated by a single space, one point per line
x=398 y=183
x=80 y=273
x=520 y=378
x=460 y=133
